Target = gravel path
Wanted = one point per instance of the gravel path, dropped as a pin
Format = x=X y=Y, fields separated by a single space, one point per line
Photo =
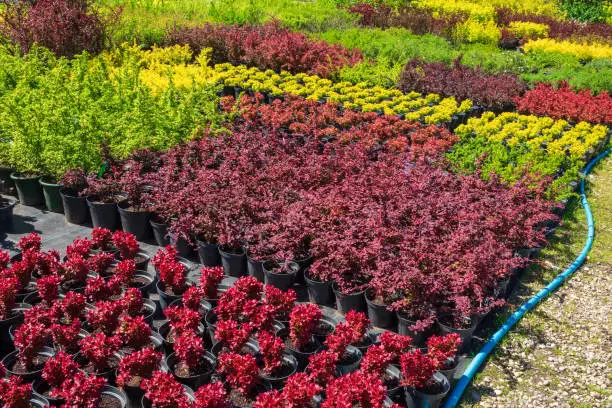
x=560 y=354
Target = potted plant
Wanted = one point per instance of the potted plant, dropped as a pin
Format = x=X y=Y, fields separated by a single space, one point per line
x=31 y=354
x=51 y=193
x=378 y=362
x=190 y=363
x=74 y=183
x=339 y=343
x=134 y=212
x=134 y=304
x=15 y=394
x=420 y=376
x=180 y=320
x=208 y=250
x=319 y=289
x=160 y=230
x=57 y=370
x=446 y=348
x=102 y=240
x=99 y=355
x=277 y=365
x=280 y=274
x=48 y=289
x=28 y=188
x=82 y=390
x=11 y=312
x=231 y=336
x=280 y=302
x=379 y=298
x=103 y=194
x=233 y=258
x=301 y=343
x=66 y=337
x=134 y=333
x=354 y=389
x=128 y=248
x=240 y=373
x=104 y=317
x=210 y=280
x=322 y=367
x=211 y=396
x=74 y=273
x=359 y=324
x=98 y=289
x=134 y=368
x=172 y=277
x=6 y=213
x=163 y=391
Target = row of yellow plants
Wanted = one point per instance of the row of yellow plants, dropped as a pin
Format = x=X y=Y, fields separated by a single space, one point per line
x=164 y=67
x=581 y=50
x=555 y=136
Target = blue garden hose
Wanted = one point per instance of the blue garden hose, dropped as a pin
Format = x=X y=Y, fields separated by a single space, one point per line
x=471 y=369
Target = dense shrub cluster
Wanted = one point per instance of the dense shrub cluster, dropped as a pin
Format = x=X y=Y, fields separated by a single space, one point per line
x=565 y=102
x=488 y=90
x=66 y=27
x=512 y=145
x=268 y=46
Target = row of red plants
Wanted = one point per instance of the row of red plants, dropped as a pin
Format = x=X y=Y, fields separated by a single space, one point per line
x=267 y=46
x=420 y=239
x=565 y=102
x=496 y=91
x=117 y=337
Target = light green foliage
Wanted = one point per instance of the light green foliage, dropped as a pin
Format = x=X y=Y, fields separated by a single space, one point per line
x=56 y=115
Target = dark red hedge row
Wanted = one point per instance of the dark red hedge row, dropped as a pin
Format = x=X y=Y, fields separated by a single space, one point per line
x=558 y=29
x=488 y=90
x=567 y=103
x=418 y=20
x=268 y=46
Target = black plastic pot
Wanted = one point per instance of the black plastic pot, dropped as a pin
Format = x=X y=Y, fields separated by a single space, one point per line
x=6 y=214
x=111 y=392
x=141 y=264
x=53 y=199
x=135 y=393
x=394 y=393
x=255 y=269
x=251 y=344
x=160 y=233
x=151 y=307
x=40 y=387
x=165 y=299
x=21 y=296
x=208 y=254
x=450 y=373
x=6 y=343
x=134 y=222
x=379 y=315
x=164 y=330
x=11 y=358
x=211 y=320
x=110 y=374
x=6 y=183
x=234 y=264
x=145 y=403
x=195 y=381
x=75 y=207
x=149 y=276
x=330 y=321
x=36 y=401
x=278 y=383
x=282 y=281
x=465 y=334
x=352 y=366
x=350 y=301
x=104 y=215
x=28 y=189
x=403 y=328
x=428 y=400
x=303 y=356
x=181 y=245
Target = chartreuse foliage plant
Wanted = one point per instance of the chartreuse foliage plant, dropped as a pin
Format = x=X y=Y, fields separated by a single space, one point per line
x=584 y=51
x=511 y=144
x=57 y=112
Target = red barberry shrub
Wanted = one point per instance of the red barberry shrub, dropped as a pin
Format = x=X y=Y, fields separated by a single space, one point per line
x=138 y=365
x=270 y=399
x=268 y=46
x=14 y=393
x=182 y=320
x=98 y=349
x=31 y=242
x=190 y=350
x=240 y=371
x=211 y=396
x=341 y=338
x=82 y=391
x=300 y=390
x=75 y=181
x=462 y=82
x=58 y=369
x=66 y=27
x=163 y=391
x=443 y=347
x=303 y=321
x=233 y=335
x=102 y=238
x=5 y=259
x=192 y=298
x=104 y=316
x=281 y=302
x=241 y=302
x=418 y=368
x=100 y=262
x=394 y=343
x=75 y=269
x=322 y=366
x=172 y=273
x=355 y=389
x=98 y=289
x=271 y=348
x=134 y=332
x=132 y=301
x=565 y=102
x=376 y=360
x=80 y=247
x=126 y=244
x=210 y=278
x=48 y=288
x=73 y=305
x=8 y=289
x=65 y=337
x=29 y=340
